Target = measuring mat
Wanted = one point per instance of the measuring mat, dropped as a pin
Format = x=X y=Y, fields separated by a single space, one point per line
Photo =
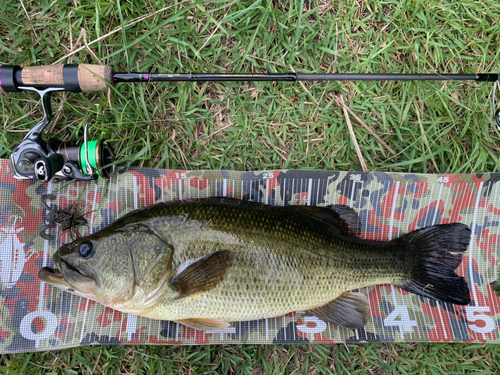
x=35 y=316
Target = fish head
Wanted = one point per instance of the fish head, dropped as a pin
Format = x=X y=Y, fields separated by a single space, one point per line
x=100 y=269
x=125 y=270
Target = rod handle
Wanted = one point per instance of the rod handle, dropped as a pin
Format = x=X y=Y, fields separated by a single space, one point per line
x=74 y=78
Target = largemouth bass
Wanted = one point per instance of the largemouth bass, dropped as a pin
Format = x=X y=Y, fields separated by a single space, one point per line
x=209 y=262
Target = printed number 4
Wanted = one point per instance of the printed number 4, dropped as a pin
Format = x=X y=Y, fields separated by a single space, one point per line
x=404 y=322
x=443 y=179
x=473 y=316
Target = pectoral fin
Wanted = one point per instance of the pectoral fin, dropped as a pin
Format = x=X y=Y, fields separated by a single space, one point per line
x=203 y=274
x=204 y=324
x=350 y=310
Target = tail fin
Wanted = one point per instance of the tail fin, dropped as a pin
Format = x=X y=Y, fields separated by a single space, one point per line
x=435 y=253
x=496 y=284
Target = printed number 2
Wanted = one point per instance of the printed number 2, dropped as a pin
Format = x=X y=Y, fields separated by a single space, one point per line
x=472 y=316
x=404 y=322
x=267 y=176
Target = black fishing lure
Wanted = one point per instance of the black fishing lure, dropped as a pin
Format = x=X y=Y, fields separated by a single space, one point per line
x=67 y=219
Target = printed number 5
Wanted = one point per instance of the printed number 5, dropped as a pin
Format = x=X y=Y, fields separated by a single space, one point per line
x=472 y=316
x=443 y=179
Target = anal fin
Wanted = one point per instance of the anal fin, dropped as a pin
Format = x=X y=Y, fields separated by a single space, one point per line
x=204 y=324
x=350 y=310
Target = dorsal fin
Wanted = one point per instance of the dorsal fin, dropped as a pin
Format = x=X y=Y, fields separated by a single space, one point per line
x=344 y=218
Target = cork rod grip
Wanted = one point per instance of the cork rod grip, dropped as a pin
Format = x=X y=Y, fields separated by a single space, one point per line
x=75 y=78
x=95 y=77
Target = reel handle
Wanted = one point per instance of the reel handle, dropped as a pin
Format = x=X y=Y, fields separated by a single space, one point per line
x=68 y=77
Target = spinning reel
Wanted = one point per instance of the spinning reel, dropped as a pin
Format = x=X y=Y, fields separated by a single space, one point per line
x=38 y=160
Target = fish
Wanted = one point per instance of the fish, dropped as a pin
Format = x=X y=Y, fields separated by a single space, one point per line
x=206 y=263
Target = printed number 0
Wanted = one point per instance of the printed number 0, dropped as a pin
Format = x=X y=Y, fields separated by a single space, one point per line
x=319 y=327
x=472 y=316
x=405 y=324
x=50 y=325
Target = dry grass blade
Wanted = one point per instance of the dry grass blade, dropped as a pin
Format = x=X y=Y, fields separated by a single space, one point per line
x=370 y=130
x=351 y=132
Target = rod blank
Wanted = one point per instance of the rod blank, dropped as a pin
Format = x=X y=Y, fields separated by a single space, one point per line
x=238 y=77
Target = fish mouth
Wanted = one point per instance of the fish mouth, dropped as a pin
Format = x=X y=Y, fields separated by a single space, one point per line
x=53 y=276
x=67 y=277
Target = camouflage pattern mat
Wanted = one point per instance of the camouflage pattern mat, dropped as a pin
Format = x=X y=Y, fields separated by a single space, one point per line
x=35 y=316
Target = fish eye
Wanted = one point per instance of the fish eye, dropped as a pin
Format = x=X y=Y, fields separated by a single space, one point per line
x=86 y=250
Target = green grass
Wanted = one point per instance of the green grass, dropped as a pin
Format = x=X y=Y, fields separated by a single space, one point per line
x=260 y=359
x=432 y=126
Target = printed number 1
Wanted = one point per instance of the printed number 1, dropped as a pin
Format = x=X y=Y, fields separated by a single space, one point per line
x=404 y=322
x=182 y=175
x=472 y=316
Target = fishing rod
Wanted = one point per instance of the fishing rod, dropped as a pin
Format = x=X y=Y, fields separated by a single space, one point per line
x=88 y=160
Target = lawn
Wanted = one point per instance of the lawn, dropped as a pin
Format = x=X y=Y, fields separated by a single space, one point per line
x=421 y=127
